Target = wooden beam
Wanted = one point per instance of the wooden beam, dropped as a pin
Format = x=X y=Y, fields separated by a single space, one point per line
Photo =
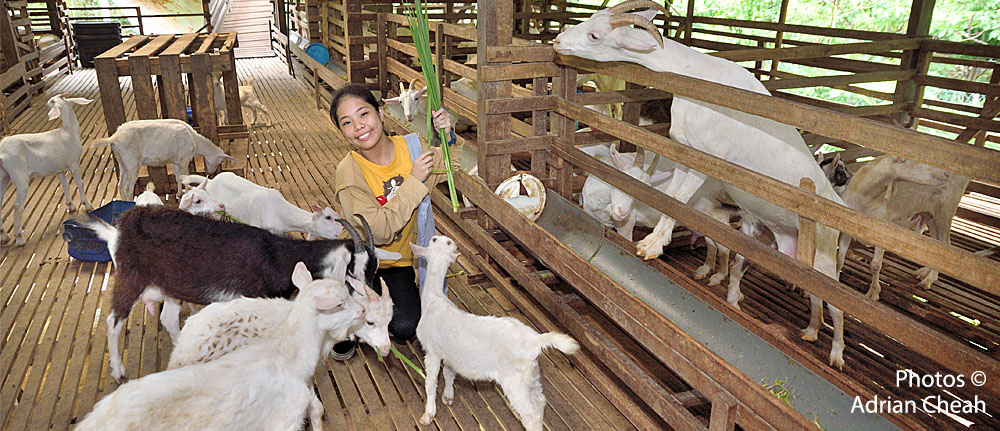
x=977 y=163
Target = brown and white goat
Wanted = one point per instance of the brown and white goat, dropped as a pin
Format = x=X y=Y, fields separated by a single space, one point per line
x=165 y=254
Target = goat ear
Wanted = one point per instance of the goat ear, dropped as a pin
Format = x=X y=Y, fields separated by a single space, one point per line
x=328 y=301
x=54 y=112
x=79 y=100
x=619 y=162
x=418 y=250
x=358 y=286
x=819 y=157
x=634 y=39
x=315 y=208
x=387 y=255
x=836 y=158
x=391 y=100
x=301 y=277
x=649 y=14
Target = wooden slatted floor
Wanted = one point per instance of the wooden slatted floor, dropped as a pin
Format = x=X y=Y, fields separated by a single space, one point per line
x=53 y=365
x=251 y=20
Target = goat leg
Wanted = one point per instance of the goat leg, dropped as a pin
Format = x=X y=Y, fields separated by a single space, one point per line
x=70 y=206
x=433 y=364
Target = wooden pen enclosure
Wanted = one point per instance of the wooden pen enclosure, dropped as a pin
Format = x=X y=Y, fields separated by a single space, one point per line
x=174 y=61
x=526 y=115
x=27 y=66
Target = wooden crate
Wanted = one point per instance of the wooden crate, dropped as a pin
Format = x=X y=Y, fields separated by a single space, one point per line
x=172 y=60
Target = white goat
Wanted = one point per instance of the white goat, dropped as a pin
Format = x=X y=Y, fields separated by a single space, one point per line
x=415 y=112
x=878 y=189
x=149 y=197
x=596 y=196
x=200 y=203
x=763 y=145
x=158 y=143
x=248 y=99
x=260 y=206
x=223 y=327
x=501 y=349
x=34 y=155
x=266 y=385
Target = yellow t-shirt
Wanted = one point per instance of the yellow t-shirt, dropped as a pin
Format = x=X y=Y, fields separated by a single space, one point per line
x=383 y=181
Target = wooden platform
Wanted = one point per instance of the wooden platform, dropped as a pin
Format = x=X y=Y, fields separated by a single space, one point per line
x=53 y=366
x=251 y=19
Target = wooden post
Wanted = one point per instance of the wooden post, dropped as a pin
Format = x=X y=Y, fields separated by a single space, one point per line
x=494 y=28
x=689 y=22
x=723 y=416
x=990 y=103
x=564 y=87
x=806 y=251
x=919 y=25
x=355 y=49
x=383 y=75
x=779 y=36
x=630 y=114
x=539 y=121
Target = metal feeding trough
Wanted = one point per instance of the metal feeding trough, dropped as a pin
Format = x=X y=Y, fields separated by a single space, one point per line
x=83 y=243
x=813 y=396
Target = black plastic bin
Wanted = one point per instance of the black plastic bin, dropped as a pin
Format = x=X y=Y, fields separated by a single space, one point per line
x=94 y=37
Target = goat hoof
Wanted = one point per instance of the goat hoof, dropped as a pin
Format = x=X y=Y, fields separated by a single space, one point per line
x=809 y=334
x=922 y=273
x=837 y=361
x=716 y=279
x=426 y=419
x=447 y=400
x=19 y=240
x=872 y=295
x=702 y=272
x=71 y=207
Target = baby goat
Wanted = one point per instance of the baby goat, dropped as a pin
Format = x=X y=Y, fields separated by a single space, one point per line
x=260 y=206
x=33 y=155
x=165 y=254
x=267 y=385
x=873 y=190
x=501 y=349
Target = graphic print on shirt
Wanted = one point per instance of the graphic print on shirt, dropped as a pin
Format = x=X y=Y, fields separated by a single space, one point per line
x=390 y=187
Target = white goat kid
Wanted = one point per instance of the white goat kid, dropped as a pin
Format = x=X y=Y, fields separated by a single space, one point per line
x=149 y=196
x=596 y=196
x=158 y=143
x=760 y=144
x=408 y=99
x=223 y=327
x=248 y=100
x=197 y=201
x=34 y=155
x=266 y=385
x=874 y=191
x=501 y=349
x=259 y=206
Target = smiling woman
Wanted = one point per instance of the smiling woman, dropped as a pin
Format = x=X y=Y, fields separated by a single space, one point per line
x=385 y=179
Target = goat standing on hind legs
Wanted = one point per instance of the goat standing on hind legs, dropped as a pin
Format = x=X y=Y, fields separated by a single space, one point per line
x=500 y=349
x=759 y=144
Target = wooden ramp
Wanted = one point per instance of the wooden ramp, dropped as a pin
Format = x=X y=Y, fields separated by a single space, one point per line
x=53 y=366
x=252 y=20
